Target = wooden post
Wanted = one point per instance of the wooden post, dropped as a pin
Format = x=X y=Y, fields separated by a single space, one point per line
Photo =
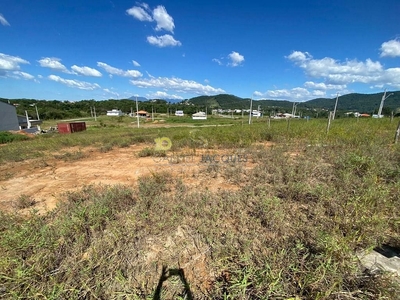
x=329 y=122
x=396 y=137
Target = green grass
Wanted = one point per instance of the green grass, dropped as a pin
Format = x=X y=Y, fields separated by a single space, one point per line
x=291 y=229
x=8 y=137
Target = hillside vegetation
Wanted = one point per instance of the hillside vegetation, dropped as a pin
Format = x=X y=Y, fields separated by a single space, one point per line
x=363 y=103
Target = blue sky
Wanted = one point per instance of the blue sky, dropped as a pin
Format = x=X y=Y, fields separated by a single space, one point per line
x=291 y=50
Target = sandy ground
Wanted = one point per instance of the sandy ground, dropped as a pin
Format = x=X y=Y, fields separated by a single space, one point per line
x=46 y=179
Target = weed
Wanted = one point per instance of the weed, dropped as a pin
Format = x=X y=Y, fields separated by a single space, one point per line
x=71 y=156
x=24 y=201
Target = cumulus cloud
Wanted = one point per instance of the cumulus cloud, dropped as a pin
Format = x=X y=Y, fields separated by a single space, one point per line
x=135 y=63
x=163 y=19
x=163 y=95
x=236 y=59
x=178 y=85
x=390 y=48
x=24 y=75
x=163 y=41
x=297 y=93
x=3 y=21
x=83 y=85
x=54 y=64
x=159 y=15
x=139 y=13
x=86 y=71
x=111 y=92
x=323 y=86
x=11 y=63
x=115 y=71
x=334 y=72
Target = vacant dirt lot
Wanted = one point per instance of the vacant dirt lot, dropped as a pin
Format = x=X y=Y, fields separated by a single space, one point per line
x=46 y=179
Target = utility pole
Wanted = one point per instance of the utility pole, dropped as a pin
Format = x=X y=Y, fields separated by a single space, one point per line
x=384 y=97
x=137 y=114
x=37 y=113
x=334 y=110
x=251 y=109
x=94 y=112
x=27 y=120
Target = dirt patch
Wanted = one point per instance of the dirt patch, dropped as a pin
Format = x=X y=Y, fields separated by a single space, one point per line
x=46 y=178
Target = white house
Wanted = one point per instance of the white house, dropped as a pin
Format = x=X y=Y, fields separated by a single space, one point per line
x=179 y=113
x=115 y=113
x=201 y=115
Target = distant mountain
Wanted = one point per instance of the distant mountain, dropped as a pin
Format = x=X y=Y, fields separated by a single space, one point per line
x=350 y=102
x=138 y=98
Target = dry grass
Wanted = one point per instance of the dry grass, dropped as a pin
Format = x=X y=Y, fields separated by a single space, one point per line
x=290 y=231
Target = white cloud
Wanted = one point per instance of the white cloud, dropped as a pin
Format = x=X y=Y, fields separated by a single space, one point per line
x=115 y=71
x=163 y=19
x=139 y=13
x=236 y=59
x=163 y=41
x=217 y=61
x=54 y=64
x=297 y=93
x=86 y=71
x=177 y=84
x=3 y=21
x=83 y=85
x=390 y=48
x=159 y=15
x=10 y=63
x=334 y=72
x=298 y=56
x=111 y=92
x=135 y=63
x=163 y=95
x=24 y=75
x=323 y=86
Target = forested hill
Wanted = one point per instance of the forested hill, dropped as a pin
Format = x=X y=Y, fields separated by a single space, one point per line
x=350 y=102
x=358 y=102
x=54 y=109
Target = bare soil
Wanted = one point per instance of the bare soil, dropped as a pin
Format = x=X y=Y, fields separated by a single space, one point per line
x=46 y=179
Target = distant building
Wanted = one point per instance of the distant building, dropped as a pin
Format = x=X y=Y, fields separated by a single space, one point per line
x=8 y=117
x=143 y=114
x=115 y=113
x=179 y=113
x=199 y=116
